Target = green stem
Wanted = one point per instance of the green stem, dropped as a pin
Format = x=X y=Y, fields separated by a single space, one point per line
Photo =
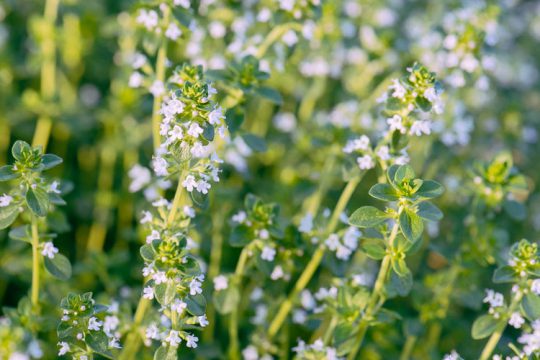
x=376 y=296
x=408 y=347
x=234 y=344
x=274 y=36
x=315 y=261
x=160 y=76
x=35 y=264
x=496 y=336
x=48 y=72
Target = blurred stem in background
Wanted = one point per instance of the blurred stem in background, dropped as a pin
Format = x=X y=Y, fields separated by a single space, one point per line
x=48 y=72
x=316 y=258
x=160 y=76
x=35 y=265
x=5 y=138
x=234 y=345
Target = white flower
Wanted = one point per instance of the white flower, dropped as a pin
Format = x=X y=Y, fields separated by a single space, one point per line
x=54 y=187
x=195 y=287
x=5 y=200
x=195 y=130
x=203 y=320
x=384 y=153
x=159 y=277
x=94 y=324
x=173 y=339
x=157 y=88
x=343 y=252
x=332 y=242
x=173 y=32
x=183 y=3
x=239 y=217
x=203 y=186
x=306 y=224
x=159 y=165
x=140 y=176
x=148 y=292
x=216 y=116
x=399 y=90
x=189 y=183
x=152 y=332
x=135 y=80
x=516 y=320
x=64 y=348
x=351 y=236
x=420 y=127
x=221 y=283
x=494 y=299
x=452 y=356
x=535 y=286
x=146 y=217
x=216 y=29
x=191 y=341
x=277 y=273
x=362 y=143
x=148 y=18
x=49 y=250
x=177 y=133
x=396 y=123
x=110 y=324
x=268 y=253
x=198 y=150
x=263 y=234
x=114 y=343
x=365 y=162
x=34 y=349
x=154 y=235
x=250 y=353
x=179 y=306
x=431 y=95
x=189 y=211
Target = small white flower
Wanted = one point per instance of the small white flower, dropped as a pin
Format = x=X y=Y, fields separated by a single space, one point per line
x=64 y=348
x=203 y=320
x=189 y=183
x=157 y=88
x=135 y=80
x=49 y=250
x=195 y=287
x=140 y=176
x=332 y=242
x=239 y=217
x=178 y=306
x=191 y=341
x=147 y=217
x=420 y=127
x=160 y=277
x=431 y=94
x=195 y=130
x=114 y=343
x=362 y=143
x=159 y=165
x=277 y=273
x=173 y=339
x=54 y=187
x=396 y=123
x=250 y=353
x=5 y=200
x=110 y=324
x=399 y=90
x=365 y=162
x=268 y=253
x=306 y=224
x=516 y=320
x=452 y=356
x=148 y=292
x=494 y=299
x=384 y=153
x=94 y=324
x=177 y=133
x=152 y=332
x=203 y=186
x=189 y=211
x=216 y=116
x=183 y=3
x=173 y=32
x=535 y=287
x=148 y=18
x=221 y=283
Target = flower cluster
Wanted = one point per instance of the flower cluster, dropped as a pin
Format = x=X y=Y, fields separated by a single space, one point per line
x=316 y=351
x=86 y=328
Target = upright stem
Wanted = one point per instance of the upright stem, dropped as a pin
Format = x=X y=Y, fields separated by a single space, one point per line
x=133 y=341
x=234 y=344
x=496 y=336
x=35 y=264
x=375 y=296
x=315 y=261
x=160 y=76
x=48 y=73
x=408 y=348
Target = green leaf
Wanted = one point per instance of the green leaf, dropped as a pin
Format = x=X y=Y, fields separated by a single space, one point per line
x=226 y=300
x=404 y=173
x=163 y=353
x=400 y=267
x=147 y=252
x=239 y=236
x=270 y=94
x=19 y=148
x=99 y=343
x=234 y=118
x=217 y=74
x=428 y=211
x=423 y=103
x=531 y=306
x=38 y=201
x=367 y=216
x=383 y=192
x=485 y=325
x=504 y=274
x=254 y=142
x=165 y=292
x=399 y=285
x=7 y=173
x=50 y=160
x=196 y=304
x=515 y=210
x=374 y=248
x=21 y=233
x=59 y=266
x=8 y=214
x=430 y=189
x=411 y=225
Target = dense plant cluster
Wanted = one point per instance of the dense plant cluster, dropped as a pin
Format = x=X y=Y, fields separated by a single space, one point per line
x=257 y=180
